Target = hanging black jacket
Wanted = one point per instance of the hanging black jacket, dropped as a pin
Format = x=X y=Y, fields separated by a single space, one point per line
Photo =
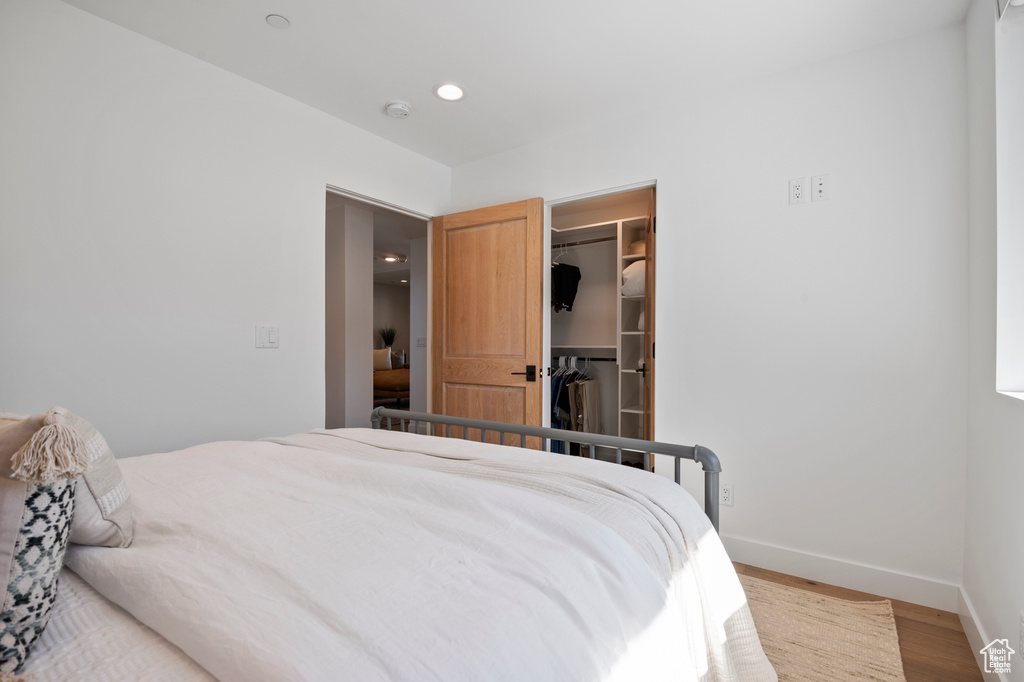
x=565 y=280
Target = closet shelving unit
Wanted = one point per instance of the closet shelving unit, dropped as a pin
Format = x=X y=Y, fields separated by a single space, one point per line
x=614 y=334
x=630 y=336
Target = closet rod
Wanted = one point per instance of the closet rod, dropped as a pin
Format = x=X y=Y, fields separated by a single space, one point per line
x=581 y=357
x=585 y=241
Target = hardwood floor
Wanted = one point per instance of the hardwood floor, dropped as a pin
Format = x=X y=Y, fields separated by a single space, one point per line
x=932 y=642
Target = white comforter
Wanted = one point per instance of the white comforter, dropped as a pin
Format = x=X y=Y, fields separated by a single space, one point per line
x=367 y=555
x=88 y=639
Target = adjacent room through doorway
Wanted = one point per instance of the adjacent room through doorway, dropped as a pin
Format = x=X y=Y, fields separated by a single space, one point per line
x=376 y=309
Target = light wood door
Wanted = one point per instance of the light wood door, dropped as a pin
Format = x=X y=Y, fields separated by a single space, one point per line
x=488 y=290
x=649 y=238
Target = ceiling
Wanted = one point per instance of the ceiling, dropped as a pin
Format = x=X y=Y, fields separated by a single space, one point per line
x=530 y=68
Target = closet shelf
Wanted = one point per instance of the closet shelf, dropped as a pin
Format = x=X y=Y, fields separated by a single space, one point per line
x=632 y=298
x=584 y=232
x=567 y=346
x=610 y=225
x=634 y=409
x=633 y=257
x=637 y=333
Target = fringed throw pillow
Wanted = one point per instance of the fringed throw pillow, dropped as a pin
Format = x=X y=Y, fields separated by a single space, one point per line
x=40 y=458
x=103 y=514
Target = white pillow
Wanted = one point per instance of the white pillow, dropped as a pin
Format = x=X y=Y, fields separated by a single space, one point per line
x=633 y=280
x=103 y=512
x=381 y=359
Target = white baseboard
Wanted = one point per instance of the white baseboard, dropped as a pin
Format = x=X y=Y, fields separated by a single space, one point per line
x=853 y=576
x=976 y=636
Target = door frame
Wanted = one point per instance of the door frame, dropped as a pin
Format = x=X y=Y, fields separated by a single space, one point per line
x=380 y=203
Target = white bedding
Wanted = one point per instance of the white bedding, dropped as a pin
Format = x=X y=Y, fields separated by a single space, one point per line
x=89 y=638
x=368 y=555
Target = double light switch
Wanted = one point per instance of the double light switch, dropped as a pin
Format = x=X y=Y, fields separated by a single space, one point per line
x=268 y=336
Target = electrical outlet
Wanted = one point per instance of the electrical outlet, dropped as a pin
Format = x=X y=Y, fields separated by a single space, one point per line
x=798 y=191
x=819 y=188
x=726 y=494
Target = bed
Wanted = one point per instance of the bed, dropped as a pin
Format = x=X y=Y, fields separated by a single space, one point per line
x=366 y=554
x=391 y=384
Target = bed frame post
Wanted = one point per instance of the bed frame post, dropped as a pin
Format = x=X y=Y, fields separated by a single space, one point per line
x=712 y=467
x=711 y=497
x=375 y=418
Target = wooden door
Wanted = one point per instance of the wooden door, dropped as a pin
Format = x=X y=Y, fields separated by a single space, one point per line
x=488 y=291
x=649 y=233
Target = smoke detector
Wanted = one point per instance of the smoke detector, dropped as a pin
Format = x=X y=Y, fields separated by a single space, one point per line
x=396 y=108
x=277 y=21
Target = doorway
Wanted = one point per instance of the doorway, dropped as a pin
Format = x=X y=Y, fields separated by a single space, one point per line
x=491 y=283
x=607 y=240
x=370 y=248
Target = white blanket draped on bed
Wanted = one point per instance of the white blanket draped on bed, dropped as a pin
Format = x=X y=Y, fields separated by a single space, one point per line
x=369 y=555
x=88 y=639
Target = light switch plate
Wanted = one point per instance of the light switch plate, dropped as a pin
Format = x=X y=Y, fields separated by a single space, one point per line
x=268 y=336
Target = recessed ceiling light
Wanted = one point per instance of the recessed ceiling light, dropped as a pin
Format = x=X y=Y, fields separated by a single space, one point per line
x=277 y=21
x=450 y=92
x=404 y=281
x=390 y=259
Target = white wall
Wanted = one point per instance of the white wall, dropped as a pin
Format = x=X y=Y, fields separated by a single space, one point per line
x=819 y=348
x=153 y=210
x=391 y=309
x=993 y=552
x=1009 y=100
x=349 y=314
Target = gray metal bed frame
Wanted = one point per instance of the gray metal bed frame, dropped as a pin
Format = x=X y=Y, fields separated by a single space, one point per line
x=706 y=458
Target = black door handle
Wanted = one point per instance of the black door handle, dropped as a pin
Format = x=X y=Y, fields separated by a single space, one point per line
x=531 y=372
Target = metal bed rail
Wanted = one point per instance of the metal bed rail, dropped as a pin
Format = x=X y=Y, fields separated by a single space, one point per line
x=707 y=459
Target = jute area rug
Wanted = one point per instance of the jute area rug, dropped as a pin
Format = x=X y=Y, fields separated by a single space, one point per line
x=813 y=637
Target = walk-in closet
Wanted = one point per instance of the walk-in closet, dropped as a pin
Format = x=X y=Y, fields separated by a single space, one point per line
x=602 y=316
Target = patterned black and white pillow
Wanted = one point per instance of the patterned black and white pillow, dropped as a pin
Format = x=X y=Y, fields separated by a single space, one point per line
x=40 y=460
x=35 y=565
